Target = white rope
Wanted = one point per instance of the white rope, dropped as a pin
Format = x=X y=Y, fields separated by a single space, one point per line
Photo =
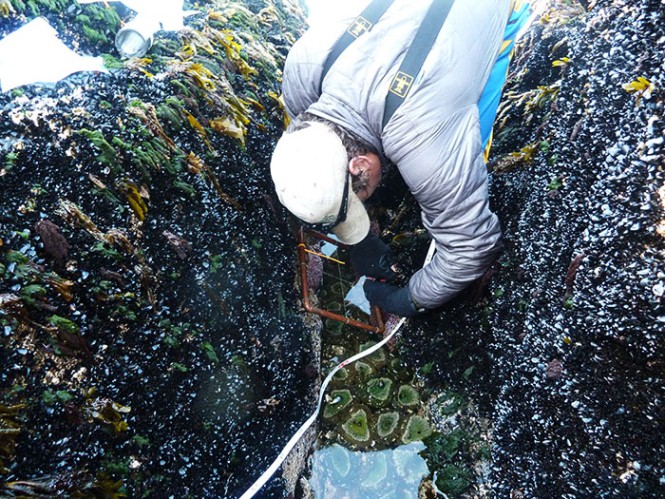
x=305 y=426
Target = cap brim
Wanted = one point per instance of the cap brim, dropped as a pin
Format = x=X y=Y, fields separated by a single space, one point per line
x=356 y=226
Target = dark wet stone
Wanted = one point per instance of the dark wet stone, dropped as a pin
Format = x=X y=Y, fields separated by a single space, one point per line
x=180 y=245
x=554 y=369
x=55 y=244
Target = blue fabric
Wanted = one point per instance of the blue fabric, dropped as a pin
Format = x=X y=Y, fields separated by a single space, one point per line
x=489 y=99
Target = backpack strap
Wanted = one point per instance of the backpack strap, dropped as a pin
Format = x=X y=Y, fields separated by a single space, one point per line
x=415 y=56
x=361 y=25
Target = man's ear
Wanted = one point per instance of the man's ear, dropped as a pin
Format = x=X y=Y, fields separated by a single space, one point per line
x=358 y=165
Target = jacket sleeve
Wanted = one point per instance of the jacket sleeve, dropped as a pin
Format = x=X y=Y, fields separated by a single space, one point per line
x=446 y=172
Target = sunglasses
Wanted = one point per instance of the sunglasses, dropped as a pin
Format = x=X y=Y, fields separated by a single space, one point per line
x=324 y=228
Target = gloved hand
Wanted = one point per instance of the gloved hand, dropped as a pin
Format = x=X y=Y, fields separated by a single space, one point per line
x=389 y=298
x=373 y=258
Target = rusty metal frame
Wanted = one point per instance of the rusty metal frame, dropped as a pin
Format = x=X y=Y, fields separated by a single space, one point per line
x=375 y=314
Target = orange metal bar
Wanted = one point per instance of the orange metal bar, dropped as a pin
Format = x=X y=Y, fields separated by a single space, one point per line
x=302 y=253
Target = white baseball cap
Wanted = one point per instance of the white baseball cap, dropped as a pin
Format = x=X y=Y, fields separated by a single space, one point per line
x=310 y=170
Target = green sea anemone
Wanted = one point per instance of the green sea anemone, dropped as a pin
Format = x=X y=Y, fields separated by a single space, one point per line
x=356 y=427
x=387 y=423
x=416 y=429
x=408 y=396
x=379 y=389
x=338 y=289
x=340 y=399
x=377 y=357
x=334 y=327
x=363 y=369
x=334 y=306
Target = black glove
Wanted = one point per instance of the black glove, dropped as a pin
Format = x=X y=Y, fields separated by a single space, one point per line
x=389 y=298
x=373 y=258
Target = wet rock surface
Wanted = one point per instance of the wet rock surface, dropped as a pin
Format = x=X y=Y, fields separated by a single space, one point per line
x=151 y=340
x=151 y=337
x=565 y=347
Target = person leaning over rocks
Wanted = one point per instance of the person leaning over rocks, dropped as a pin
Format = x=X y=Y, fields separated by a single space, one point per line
x=329 y=160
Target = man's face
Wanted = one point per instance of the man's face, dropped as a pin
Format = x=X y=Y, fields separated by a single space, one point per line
x=366 y=170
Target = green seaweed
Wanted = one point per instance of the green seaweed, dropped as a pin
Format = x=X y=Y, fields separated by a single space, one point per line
x=210 y=351
x=184 y=187
x=112 y=62
x=443 y=447
x=93 y=35
x=62 y=396
x=64 y=324
x=453 y=479
x=10 y=160
x=31 y=293
x=171 y=112
x=108 y=153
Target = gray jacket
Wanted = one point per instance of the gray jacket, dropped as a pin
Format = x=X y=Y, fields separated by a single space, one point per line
x=433 y=137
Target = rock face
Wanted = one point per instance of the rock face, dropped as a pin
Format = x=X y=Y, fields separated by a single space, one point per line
x=567 y=344
x=150 y=333
x=151 y=340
